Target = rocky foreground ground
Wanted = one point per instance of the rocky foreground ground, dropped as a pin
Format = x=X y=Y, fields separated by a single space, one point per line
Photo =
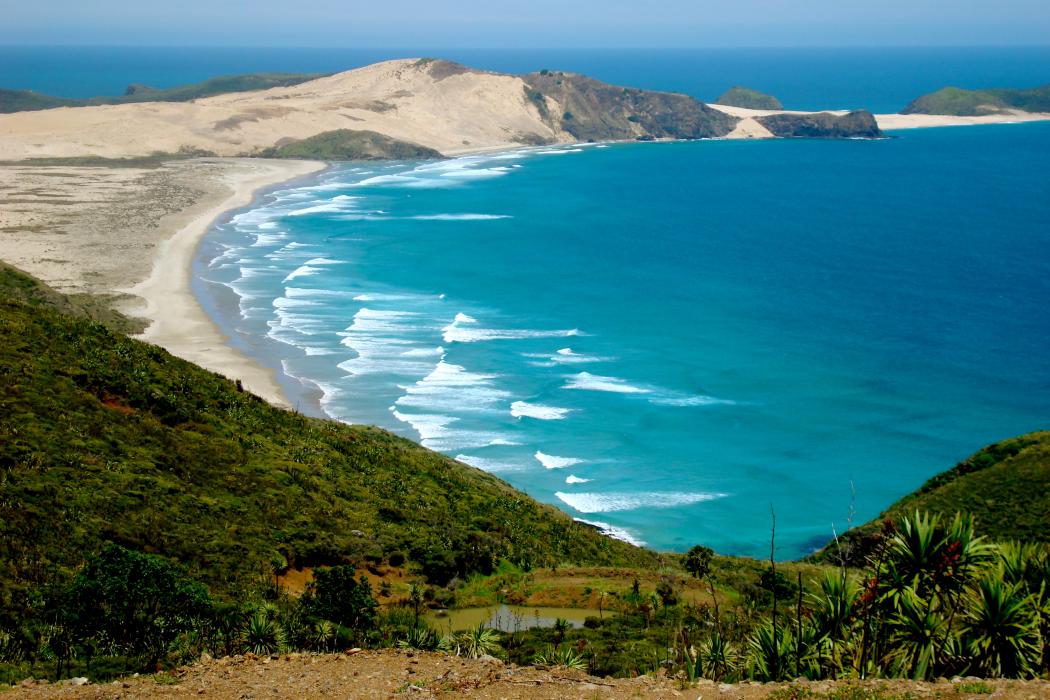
x=409 y=674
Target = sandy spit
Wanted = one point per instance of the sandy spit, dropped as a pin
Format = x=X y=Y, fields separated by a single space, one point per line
x=177 y=321
x=887 y=122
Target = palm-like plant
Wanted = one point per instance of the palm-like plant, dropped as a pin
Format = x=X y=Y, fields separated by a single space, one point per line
x=564 y=657
x=771 y=650
x=917 y=634
x=716 y=658
x=421 y=637
x=473 y=643
x=1002 y=628
x=263 y=635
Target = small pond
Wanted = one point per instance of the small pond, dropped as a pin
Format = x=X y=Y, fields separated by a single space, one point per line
x=508 y=618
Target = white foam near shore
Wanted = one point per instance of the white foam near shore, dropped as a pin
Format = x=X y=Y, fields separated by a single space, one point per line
x=487 y=465
x=459 y=217
x=617 y=533
x=573 y=479
x=593 y=382
x=554 y=462
x=452 y=388
x=612 y=502
x=522 y=409
x=436 y=431
x=564 y=356
x=465 y=329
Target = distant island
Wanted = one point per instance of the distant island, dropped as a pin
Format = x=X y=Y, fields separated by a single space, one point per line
x=972 y=103
x=748 y=99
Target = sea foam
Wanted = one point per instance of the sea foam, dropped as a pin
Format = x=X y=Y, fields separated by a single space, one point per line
x=593 y=382
x=553 y=462
x=612 y=502
x=465 y=329
x=521 y=409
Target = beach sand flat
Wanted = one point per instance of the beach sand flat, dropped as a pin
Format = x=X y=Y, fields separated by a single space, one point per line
x=130 y=233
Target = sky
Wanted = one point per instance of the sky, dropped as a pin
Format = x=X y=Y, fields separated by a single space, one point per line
x=526 y=23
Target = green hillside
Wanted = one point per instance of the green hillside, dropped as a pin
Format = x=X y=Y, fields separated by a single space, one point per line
x=350 y=144
x=108 y=439
x=968 y=103
x=748 y=99
x=28 y=101
x=1005 y=487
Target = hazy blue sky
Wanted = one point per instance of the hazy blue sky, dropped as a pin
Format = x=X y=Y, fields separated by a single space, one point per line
x=527 y=23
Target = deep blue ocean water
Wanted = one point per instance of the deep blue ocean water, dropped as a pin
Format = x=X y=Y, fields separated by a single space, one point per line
x=667 y=339
x=878 y=79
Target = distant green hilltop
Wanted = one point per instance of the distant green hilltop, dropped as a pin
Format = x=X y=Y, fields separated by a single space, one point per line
x=748 y=99
x=970 y=103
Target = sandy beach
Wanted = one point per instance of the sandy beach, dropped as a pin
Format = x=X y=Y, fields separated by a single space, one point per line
x=130 y=234
x=750 y=128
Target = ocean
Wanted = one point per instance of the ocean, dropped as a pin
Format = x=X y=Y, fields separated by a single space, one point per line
x=673 y=341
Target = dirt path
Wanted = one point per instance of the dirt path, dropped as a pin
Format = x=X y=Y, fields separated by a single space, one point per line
x=408 y=674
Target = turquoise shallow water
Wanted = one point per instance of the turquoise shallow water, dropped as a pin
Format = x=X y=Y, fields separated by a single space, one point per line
x=669 y=339
x=699 y=330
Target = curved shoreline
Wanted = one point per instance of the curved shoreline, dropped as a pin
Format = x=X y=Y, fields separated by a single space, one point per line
x=178 y=322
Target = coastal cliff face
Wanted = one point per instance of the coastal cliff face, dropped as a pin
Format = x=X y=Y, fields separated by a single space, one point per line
x=823 y=125
x=593 y=111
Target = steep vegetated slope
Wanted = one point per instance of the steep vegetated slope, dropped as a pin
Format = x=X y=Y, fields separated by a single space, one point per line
x=822 y=125
x=347 y=144
x=968 y=103
x=105 y=438
x=1005 y=487
x=592 y=110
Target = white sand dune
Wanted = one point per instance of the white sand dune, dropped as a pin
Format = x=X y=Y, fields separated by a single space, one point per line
x=403 y=99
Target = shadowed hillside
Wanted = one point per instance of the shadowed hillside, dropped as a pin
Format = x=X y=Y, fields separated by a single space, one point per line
x=105 y=438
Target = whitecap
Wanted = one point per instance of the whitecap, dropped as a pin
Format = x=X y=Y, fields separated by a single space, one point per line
x=340 y=203
x=301 y=271
x=617 y=533
x=521 y=409
x=435 y=432
x=695 y=400
x=463 y=329
x=325 y=261
x=453 y=388
x=553 y=462
x=611 y=502
x=459 y=217
x=573 y=479
x=565 y=356
x=487 y=465
x=593 y=382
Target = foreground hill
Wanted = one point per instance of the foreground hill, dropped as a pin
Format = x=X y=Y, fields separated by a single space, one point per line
x=969 y=103
x=1005 y=487
x=105 y=438
x=420 y=103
